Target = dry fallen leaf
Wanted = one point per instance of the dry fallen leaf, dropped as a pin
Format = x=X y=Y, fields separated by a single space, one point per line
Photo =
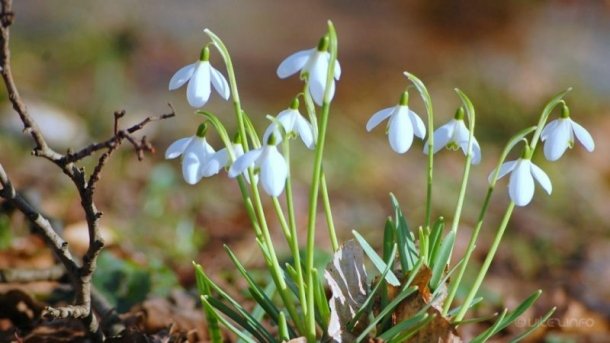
x=347 y=279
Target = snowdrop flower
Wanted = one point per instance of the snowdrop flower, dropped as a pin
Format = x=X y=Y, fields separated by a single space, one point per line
x=199 y=76
x=197 y=158
x=314 y=63
x=559 y=134
x=454 y=135
x=521 y=182
x=269 y=162
x=402 y=124
x=293 y=122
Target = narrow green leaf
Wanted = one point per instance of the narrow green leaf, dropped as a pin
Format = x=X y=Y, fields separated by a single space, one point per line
x=442 y=259
x=454 y=311
x=435 y=237
x=517 y=312
x=283 y=328
x=257 y=293
x=388 y=239
x=404 y=237
x=322 y=307
x=243 y=336
x=212 y=319
x=404 y=336
x=534 y=327
x=485 y=335
x=399 y=298
x=377 y=261
x=369 y=299
x=249 y=324
x=405 y=324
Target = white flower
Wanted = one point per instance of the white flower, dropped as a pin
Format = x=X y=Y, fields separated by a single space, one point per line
x=402 y=125
x=201 y=74
x=292 y=121
x=197 y=158
x=314 y=62
x=455 y=135
x=521 y=182
x=271 y=164
x=559 y=135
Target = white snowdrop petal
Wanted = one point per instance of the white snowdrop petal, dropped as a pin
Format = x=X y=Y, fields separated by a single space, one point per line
x=274 y=172
x=190 y=168
x=378 y=117
x=243 y=162
x=177 y=148
x=542 y=178
x=198 y=89
x=220 y=83
x=337 y=70
x=521 y=184
x=505 y=168
x=210 y=167
x=461 y=133
x=476 y=151
x=181 y=76
x=557 y=140
x=584 y=137
x=400 y=133
x=442 y=135
x=222 y=157
x=548 y=129
x=293 y=63
x=305 y=131
x=419 y=128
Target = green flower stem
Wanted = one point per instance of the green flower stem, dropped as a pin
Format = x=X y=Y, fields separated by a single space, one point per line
x=485 y=267
x=218 y=43
x=294 y=243
x=313 y=193
x=272 y=262
x=282 y=219
x=423 y=92
x=475 y=234
x=469 y=250
x=329 y=214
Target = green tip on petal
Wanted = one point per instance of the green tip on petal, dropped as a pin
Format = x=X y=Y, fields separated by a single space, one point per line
x=237 y=138
x=205 y=54
x=294 y=104
x=404 y=99
x=324 y=43
x=202 y=130
x=459 y=113
x=565 y=111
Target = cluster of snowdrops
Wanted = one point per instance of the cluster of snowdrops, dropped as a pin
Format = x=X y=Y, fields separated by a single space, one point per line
x=265 y=160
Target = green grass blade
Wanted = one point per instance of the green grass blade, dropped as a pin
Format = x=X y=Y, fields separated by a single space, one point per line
x=377 y=261
x=404 y=237
x=212 y=319
x=435 y=238
x=442 y=259
x=485 y=335
x=369 y=299
x=246 y=322
x=388 y=239
x=399 y=298
x=239 y=333
x=534 y=327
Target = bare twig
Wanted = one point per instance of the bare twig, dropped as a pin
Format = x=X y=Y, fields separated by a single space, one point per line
x=80 y=274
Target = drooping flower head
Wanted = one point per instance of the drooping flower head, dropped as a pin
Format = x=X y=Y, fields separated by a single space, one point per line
x=559 y=134
x=523 y=172
x=197 y=156
x=294 y=124
x=200 y=75
x=313 y=64
x=268 y=162
x=403 y=124
x=454 y=135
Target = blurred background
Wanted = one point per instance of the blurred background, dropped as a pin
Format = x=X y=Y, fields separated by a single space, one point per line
x=77 y=62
